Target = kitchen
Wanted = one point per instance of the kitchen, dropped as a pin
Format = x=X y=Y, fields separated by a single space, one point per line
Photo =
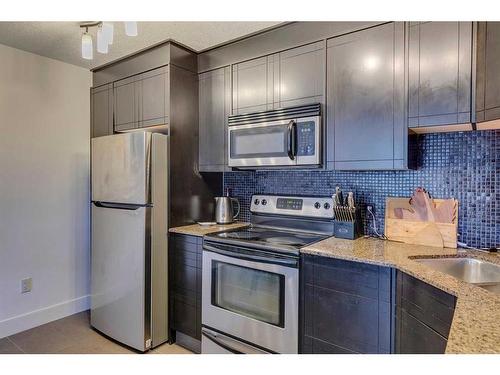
x=282 y=187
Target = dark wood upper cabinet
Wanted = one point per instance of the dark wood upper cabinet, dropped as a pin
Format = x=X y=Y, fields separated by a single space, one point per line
x=101 y=102
x=253 y=85
x=299 y=75
x=126 y=109
x=284 y=79
x=488 y=72
x=214 y=90
x=439 y=73
x=142 y=100
x=366 y=125
x=154 y=97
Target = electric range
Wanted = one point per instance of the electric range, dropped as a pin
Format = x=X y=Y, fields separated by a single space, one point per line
x=250 y=282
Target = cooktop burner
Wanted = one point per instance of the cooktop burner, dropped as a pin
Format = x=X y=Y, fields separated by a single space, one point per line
x=255 y=229
x=290 y=241
x=268 y=237
x=240 y=235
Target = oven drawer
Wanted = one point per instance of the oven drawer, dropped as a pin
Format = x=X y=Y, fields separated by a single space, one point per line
x=217 y=343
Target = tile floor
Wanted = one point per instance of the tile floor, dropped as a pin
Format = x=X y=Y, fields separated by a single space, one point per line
x=71 y=335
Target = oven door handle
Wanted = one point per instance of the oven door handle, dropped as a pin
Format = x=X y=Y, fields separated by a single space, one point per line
x=292 y=139
x=290 y=262
x=225 y=343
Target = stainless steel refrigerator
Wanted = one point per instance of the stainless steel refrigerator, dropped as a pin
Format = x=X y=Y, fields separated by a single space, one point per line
x=129 y=279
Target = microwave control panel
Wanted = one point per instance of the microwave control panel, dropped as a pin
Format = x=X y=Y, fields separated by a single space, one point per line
x=306 y=138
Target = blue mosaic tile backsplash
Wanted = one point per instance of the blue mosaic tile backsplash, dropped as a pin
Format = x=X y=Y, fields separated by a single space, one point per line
x=464 y=165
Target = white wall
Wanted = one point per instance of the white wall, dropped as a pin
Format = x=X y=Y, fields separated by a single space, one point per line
x=44 y=189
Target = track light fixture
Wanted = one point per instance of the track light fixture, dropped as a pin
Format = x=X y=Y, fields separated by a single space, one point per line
x=104 y=36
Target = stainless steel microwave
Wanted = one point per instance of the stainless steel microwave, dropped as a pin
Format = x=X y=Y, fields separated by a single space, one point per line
x=287 y=137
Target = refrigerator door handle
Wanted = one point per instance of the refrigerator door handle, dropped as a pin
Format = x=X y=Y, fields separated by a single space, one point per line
x=121 y=206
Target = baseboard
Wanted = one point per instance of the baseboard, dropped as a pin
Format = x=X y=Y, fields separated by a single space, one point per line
x=188 y=342
x=48 y=314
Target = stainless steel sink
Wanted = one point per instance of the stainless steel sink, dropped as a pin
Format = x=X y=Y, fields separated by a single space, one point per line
x=473 y=271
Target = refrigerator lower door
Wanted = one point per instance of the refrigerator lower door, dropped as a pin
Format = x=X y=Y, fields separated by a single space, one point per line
x=120 y=267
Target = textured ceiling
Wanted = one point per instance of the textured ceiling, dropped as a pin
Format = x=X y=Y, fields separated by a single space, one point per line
x=62 y=40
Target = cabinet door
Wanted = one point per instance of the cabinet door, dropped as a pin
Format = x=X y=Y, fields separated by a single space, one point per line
x=214 y=107
x=439 y=73
x=153 y=97
x=299 y=76
x=424 y=316
x=430 y=305
x=488 y=71
x=366 y=127
x=253 y=85
x=185 y=254
x=417 y=338
x=101 y=99
x=346 y=307
x=125 y=104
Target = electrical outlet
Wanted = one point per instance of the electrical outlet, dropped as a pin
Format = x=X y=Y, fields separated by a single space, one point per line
x=26 y=285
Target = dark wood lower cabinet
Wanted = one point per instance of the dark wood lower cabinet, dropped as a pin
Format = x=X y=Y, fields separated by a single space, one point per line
x=424 y=316
x=346 y=307
x=185 y=256
x=351 y=307
x=414 y=337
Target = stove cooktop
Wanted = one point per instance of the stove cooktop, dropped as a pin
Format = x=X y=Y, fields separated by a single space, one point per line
x=266 y=237
x=281 y=224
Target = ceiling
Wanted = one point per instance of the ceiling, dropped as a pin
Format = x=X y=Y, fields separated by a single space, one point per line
x=62 y=40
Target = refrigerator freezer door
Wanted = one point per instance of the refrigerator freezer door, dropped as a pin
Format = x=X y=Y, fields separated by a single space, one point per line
x=120 y=267
x=120 y=168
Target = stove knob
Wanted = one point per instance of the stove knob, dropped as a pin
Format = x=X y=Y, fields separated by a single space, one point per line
x=256 y=201
x=264 y=202
x=317 y=205
x=327 y=206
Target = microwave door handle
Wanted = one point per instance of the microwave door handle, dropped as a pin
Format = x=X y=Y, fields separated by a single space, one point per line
x=294 y=138
x=291 y=139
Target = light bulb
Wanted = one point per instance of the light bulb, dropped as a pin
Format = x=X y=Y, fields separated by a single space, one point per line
x=108 y=31
x=102 y=42
x=87 y=50
x=131 y=28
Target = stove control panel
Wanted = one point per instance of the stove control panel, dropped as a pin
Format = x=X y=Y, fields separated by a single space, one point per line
x=319 y=207
x=289 y=204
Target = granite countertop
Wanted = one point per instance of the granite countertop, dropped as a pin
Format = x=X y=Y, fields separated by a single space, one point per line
x=476 y=322
x=201 y=230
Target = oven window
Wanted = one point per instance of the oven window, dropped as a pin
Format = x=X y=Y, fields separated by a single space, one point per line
x=249 y=292
x=266 y=141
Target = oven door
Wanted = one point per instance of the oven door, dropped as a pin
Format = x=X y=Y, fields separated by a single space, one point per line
x=252 y=296
x=261 y=145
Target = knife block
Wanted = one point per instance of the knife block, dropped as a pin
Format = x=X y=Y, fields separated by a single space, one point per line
x=349 y=229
